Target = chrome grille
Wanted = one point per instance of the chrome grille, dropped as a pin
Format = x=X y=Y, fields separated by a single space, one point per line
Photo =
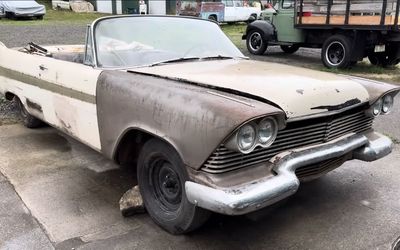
x=311 y=171
x=295 y=135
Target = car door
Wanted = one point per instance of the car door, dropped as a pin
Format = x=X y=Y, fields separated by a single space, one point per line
x=59 y=92
x=230 y=11
x=284 y=23
x=242 y=13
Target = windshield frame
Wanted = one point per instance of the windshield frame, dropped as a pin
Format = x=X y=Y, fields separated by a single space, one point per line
x=97 y=21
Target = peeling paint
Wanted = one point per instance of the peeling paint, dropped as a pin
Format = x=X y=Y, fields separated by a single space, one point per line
x=339 y=106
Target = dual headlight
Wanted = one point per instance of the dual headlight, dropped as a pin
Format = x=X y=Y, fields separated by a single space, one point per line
x=382 y=106
x=262 y=133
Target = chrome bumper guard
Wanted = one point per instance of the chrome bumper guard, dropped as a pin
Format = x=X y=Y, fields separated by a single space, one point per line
x=264 y=192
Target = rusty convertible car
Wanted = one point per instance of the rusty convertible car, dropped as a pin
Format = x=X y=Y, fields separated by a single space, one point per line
x=207 y=129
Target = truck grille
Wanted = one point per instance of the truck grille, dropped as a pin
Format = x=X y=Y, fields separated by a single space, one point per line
x=295 y=135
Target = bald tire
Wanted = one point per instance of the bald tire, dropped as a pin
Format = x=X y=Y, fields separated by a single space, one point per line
x=155 y=157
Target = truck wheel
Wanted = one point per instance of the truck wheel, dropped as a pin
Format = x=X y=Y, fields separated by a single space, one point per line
x=255 y=42
x=28 y=120
x=212 y=18
x=161 y=177
x=382 y=59
x=336 y=52
x=290 y=49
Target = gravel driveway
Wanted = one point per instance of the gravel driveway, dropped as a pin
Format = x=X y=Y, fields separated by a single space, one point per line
x=17 y=36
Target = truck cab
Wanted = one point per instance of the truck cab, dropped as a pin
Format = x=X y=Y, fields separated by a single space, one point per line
x=281 y=15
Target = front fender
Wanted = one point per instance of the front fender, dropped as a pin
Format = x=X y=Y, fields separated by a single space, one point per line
x=193 y=119
x=266 y=27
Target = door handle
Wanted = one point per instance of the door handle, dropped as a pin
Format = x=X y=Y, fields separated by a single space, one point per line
x=42 y=67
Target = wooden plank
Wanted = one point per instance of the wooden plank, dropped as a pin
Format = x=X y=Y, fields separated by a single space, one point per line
x=353 y=20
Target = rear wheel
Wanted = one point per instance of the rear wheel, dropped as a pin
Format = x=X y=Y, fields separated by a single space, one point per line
x=11 y=15
x=162 y=176
x=255 y=42
x=336 y=52
x=212 y=18
x=28 y=120
x=290 y=49
x=382 y=59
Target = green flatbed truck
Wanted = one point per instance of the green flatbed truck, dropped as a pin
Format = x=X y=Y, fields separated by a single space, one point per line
x=346 y=30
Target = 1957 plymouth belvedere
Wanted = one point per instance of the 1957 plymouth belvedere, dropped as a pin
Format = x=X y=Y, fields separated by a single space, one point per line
x=206 y=128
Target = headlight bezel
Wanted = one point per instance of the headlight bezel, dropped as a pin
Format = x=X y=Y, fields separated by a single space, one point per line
x=390 y=107
x=238 y=139
x=274 y=134
x=379 y=104
x=233 y=142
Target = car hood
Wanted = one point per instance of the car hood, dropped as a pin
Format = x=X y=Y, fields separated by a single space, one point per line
x=297 y=91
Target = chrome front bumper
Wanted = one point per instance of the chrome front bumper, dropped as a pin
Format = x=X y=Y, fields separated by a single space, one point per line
x=263 y=192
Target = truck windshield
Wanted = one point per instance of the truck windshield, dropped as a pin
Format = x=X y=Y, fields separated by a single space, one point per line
x=143 y=41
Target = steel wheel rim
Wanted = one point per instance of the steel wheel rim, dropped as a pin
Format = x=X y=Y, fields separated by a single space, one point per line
x=335 y=53
x=255 y=41
x=166 y=184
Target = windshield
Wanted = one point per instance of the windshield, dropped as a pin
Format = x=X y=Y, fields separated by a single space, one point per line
x=142 y=41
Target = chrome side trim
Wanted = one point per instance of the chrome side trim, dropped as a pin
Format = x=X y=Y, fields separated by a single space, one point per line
x=263 y=192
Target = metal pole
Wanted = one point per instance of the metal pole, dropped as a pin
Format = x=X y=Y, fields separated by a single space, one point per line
x=301 y=11
x=346 y=20
x=328 y=12
x=383 y=14
x=396 y=19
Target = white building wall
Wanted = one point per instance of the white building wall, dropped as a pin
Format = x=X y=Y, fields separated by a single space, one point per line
x=104 y=6
x=119 y=7
x=157 y=7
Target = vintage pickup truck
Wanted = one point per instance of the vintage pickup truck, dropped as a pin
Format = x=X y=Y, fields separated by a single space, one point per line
x=206 y=128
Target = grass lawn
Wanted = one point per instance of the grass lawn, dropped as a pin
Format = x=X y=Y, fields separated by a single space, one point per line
x=235 y=32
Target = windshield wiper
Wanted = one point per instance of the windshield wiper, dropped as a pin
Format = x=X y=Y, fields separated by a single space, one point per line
x=219 y=57
x=182 y=59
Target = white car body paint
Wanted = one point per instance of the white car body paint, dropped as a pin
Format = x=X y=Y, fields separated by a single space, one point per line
x=68 y=105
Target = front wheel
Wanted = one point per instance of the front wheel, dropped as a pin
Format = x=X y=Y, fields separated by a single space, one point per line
x=336 y=52
x=255 y=42
x=161 y=177
x=290 y=49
